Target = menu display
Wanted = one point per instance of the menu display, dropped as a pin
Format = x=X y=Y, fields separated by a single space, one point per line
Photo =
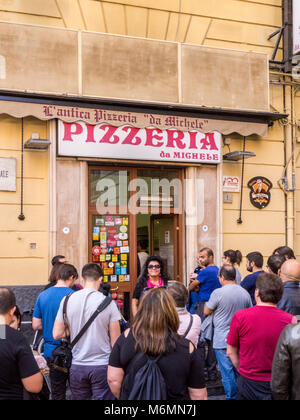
x=111 y=246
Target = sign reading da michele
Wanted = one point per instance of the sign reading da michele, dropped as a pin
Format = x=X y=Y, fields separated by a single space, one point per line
x=128 y=142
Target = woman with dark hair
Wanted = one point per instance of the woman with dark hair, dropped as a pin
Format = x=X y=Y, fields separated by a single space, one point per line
x=16 y=319
x=53 y=275
x=154 y=335
x=153 y=275
x=233 y=258
x=285 y=251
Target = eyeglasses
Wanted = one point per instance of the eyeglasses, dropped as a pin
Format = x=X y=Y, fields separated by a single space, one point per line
x=153 y=267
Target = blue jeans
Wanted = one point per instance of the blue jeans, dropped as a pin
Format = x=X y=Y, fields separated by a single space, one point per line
x=228 y=372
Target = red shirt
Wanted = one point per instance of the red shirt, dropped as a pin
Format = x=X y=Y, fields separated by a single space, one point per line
x=255 y=331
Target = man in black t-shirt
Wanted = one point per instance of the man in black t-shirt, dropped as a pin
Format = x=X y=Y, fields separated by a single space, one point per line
x=17 y=364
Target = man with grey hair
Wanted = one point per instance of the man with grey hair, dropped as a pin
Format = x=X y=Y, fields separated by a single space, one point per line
x=17 y=364
x=290 y=276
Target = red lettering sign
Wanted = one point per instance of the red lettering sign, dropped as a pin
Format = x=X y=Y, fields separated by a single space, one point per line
x=82 y=139
x=175 y=136
x=209 y=140
x=131 y=138
x=69 y=133
x=107 y=138
x=151 y=137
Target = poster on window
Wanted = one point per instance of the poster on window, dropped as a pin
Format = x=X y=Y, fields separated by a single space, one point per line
x=110 y=247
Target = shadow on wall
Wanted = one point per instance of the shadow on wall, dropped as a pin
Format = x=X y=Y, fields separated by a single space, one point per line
x=26 y=297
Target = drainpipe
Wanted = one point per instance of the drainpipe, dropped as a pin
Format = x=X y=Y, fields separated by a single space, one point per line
x=288 y=176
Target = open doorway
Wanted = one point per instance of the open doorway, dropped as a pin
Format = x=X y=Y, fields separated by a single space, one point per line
x=158 y=235
x=115 y=230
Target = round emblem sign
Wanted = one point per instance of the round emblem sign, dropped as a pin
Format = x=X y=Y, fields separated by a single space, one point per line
x=96 y=250
x=260 y=195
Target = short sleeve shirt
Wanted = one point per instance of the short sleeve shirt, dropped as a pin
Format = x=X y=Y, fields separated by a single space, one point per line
x=16 y=363
x=93 y=348
x=180 y=369
x=46 y=309
x=185 y=319
x=225 y=302
x=209 y=281
x=249 y=283
x=255 y=331
x=141 y=285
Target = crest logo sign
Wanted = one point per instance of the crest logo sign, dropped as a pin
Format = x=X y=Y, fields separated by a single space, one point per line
x=260 y=191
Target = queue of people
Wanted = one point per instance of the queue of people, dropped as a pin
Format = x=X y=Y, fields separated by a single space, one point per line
x=178 y=338
x=253 y=342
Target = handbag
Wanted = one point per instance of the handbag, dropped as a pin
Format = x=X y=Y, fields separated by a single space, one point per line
x=207 y=329
x=61 y=358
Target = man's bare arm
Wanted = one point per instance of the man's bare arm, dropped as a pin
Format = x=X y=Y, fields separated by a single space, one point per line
x=233 y=354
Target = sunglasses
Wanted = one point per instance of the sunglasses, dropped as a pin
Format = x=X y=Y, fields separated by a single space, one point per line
x=154 y=266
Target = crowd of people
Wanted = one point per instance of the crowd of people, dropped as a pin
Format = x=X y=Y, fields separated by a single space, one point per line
x=178 y=338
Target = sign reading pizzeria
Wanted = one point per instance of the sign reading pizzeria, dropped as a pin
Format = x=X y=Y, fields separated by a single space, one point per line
x=260 y=191
x=128 y=142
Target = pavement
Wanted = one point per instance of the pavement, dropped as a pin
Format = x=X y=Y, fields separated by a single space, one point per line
x=215 y=390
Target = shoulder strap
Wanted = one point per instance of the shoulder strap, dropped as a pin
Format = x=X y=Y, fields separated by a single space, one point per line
x=189 y=327
x=100 y=308
x=65 y=307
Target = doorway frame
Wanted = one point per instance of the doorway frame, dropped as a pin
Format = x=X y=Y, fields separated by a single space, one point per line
x=176 y=229
x=179 y=226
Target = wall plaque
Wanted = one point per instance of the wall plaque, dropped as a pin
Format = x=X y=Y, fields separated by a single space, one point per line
x=260 y=191
x=231 y=183
x=7 y=174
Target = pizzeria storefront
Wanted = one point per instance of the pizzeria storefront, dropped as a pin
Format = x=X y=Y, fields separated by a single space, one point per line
x=118 y=179
x=130 y=157
x=137 y=166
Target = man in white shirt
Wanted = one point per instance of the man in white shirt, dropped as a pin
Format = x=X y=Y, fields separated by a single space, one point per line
x=88 y=373
x=142 y=253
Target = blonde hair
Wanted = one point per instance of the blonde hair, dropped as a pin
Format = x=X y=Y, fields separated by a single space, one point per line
x=156 y=323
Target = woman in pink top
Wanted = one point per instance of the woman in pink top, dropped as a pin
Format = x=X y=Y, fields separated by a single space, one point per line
x=189 y=324
x=153 y=275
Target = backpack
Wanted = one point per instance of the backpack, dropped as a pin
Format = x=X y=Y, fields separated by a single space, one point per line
x=147 y=383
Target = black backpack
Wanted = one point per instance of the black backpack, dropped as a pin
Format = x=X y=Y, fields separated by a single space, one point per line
x=147 y=383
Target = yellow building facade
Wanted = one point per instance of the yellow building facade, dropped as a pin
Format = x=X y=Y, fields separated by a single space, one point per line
x=26 y=247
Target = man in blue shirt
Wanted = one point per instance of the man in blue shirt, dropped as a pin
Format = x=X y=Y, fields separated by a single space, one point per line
x=193 y=295
x=44 y=316
x=254 y=264
x=207 y=280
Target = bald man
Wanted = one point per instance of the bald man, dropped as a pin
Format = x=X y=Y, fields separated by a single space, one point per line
x=290 y=275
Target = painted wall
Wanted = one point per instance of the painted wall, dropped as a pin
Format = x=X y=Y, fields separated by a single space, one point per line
x=234 y=24
x=19 y=263
x=238 y=24
x=297 y=158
